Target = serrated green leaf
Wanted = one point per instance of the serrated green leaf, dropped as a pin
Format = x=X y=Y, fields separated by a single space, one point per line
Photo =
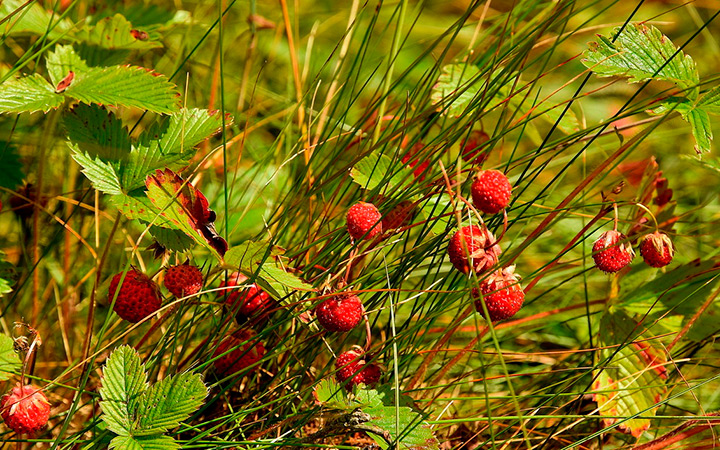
x=102 y=175
x=10 y=363
x=183 y=130
x=125 y=86
x=98 y=132
x=639 y=53
x=374 y=170
x=135 y=205
x=115 y=33
x=11 y=174
x=174 y=240
x=710 y=101
x=143 y=443
x=123 y=382
x=331 y=394
x=63 y=60
x=28 y=94
x=675 y=104
x=414 y=432
x=456 y=87
x=169 y=402
x=632 y=380
x=701 y=129
x=33 y=19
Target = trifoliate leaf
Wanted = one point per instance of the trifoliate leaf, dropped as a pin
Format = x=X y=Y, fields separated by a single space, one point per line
x=123 y=382
x=641 y=52
x=9 y=360
x=125 y=86
x=169 y=402
x=63 y=60
x=28 y=94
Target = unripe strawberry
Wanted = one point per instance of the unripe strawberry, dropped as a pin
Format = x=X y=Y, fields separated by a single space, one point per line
x=340 y=313
x=491 y=191
x=252 y=299
x=657 y=249
x=470 y=148
x=612 y=252
x=243 y=355
x=472 y=243
x=183 y=280
x=352 y=369
x=25 y=409
x=138 y=297
x=502 y=294
x=364 y=220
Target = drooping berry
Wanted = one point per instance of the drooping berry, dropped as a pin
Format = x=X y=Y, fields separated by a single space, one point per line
x=352 y=369
x=25 y=409
x=137 y=298
x=364 y=220
x=491 y=191
x=245 y=350
x=502 y=294
x=249 y=300
x=471 y=147
x=340 y=313
x=657 y=249
x=183 y=280
x=473 y=246
x=612 y=252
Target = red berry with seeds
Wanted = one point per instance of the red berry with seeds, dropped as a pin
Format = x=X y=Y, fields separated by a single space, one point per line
x=183 y=280
x=364 y=221
x=252 y=299
x=137 y=298
x=473 y=246
x=502 y=294
x=471 y=147
x=25 y=409
x=352 y=369
x=245 y=350
x=657 y=249
x=612 y=252
x=491 y=191
x=340 y=314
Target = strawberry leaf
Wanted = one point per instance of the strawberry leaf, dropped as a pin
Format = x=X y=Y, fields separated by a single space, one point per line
x=125 y=86
x=374 y=170
x=641 y=52
x=9 y=360
x=143 y=443
x=632 y=376
x=28 y=94
x=117 y=33
x=701 y=129
x=331 y=395
x=101 y=174
x=62 y=61
x=170 y=239
x=168 y=402
x=99 y=133
x=710 y=101
x=123 y=382
x=33 y=19
x=136 y=205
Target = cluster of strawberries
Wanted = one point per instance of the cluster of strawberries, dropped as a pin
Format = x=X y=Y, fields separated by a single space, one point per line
x=612 y=250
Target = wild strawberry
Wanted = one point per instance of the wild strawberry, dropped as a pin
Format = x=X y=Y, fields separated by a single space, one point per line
x=245 y=350
x=657 y=249
x=138 y=297
x=399 y=216
x=341 y=313
x=502 y=294
x=470 y=148
x=491 y=191
x=25 y=409
x=252 y=299
x=476 y=245
x=420 y=168
x=352 y=369
x=364 y=220
x=183 y=280
x=612 y=252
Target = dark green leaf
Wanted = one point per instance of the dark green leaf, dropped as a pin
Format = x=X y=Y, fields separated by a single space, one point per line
x=11 y=174
x=123 y=382
x=143 y=443
x=167 y=403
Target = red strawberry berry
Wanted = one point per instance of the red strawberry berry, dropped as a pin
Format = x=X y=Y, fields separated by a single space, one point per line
x=502 y=294
x=25 y=410
x=612 y=252
x=491 y=191
x=479 y=247
x=352 y=369
x=138 y=297
x=399 y=216
x=470 y=147
x=364 y=220
x=243 y=354
x=252 y=299
x=340 y=314
x=183 y=280
x=657 y=249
